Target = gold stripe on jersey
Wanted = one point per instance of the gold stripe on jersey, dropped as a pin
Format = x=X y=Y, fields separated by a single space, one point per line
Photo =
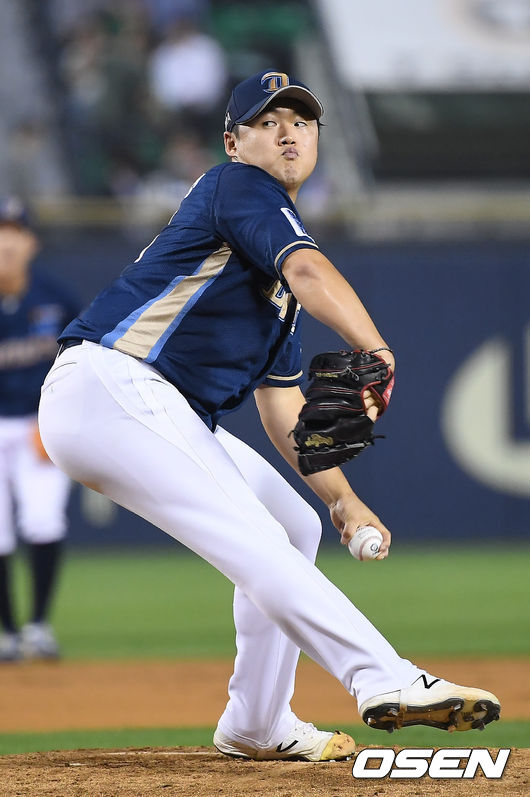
x=285 y=378
x=279 y=296
x=290 y=246
x=147 y=330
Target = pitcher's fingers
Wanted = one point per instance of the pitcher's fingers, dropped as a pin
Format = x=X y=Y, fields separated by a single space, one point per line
x=387 y=541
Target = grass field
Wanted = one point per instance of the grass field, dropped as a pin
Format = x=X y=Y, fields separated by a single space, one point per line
x=503 y=734
x=162 y=603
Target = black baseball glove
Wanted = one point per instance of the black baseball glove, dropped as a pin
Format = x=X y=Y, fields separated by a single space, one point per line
x=333 y=426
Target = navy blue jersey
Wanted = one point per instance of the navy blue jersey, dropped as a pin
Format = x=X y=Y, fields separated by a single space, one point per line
x=206 y=303
x=29 y=326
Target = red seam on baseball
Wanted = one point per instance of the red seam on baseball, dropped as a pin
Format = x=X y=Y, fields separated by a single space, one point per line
x=361 y=557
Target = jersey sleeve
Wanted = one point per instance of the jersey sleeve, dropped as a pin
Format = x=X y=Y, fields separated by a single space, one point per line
x=286 y=370
x=256 y=217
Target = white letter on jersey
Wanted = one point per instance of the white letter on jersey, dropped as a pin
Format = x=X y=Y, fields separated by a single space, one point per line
x=295 y=223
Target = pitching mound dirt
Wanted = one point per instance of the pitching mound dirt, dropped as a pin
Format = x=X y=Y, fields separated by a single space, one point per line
x=201 y=772
x=121 y=694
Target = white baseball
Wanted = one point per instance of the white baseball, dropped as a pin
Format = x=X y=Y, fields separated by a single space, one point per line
x=365 y=543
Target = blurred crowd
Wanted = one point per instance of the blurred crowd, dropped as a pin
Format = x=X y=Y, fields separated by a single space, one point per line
x=142 y=85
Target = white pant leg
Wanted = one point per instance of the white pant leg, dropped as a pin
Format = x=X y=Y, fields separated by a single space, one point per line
x=112 y=421
x=40 y=490
x=7 y=532
x=262 y=685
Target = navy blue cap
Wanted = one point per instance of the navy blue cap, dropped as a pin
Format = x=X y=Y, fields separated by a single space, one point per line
x=13 y=211
x=252 y=96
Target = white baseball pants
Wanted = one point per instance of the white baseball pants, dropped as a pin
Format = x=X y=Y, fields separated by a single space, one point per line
x=115 y=423
x=31 y=485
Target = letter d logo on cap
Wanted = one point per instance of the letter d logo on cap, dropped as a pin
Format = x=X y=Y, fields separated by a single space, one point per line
x=273 y=81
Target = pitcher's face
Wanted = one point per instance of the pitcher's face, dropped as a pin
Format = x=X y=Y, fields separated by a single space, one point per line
x=283 y=141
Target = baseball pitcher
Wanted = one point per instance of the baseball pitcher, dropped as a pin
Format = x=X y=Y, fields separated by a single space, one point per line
x=207 y=316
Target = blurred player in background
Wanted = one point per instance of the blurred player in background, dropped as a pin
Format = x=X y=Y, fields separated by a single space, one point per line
x=33 y=492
